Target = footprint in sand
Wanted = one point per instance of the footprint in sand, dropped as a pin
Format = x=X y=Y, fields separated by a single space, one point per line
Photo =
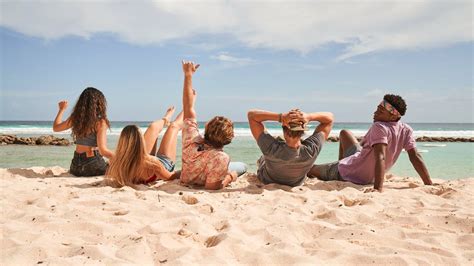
x=353 y=202
x=206 y=208
x=222 y=225
x=214 y=240
x=413 y=185
x=123 y=212
x=190 y=199
x=140 y=196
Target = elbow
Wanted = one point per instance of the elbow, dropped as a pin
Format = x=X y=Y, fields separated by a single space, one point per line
x=250 y=114
x=330 y=118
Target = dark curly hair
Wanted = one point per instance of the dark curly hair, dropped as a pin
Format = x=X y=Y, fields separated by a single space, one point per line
x=90 y=108
x=397 y=102
x=219 y=132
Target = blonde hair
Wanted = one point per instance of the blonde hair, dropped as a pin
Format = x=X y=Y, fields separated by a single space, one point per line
x=131 y=160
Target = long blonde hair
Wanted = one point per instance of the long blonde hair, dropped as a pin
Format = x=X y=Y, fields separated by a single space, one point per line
x=131 y=160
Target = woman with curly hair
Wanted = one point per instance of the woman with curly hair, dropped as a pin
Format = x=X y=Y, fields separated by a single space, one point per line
x=88 y=123
x=136 y=159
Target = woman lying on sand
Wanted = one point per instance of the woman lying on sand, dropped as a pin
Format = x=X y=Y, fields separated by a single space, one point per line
x=88 y=122
x=136 y=159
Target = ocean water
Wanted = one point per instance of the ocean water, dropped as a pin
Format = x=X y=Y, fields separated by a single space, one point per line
x=444 y=161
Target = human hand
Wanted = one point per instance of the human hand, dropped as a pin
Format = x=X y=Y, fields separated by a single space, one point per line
x=189 y=67
x=370 y=189
x=234 y=175
x=62 y=105
x=293 y=116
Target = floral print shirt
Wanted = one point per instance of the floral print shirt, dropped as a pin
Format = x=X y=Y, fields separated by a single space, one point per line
x=201 y=163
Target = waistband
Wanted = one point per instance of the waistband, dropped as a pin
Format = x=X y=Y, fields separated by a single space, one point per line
x=83 y=155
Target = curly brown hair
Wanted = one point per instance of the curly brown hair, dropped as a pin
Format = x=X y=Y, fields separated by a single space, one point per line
x=219 y=132
x=90 y=108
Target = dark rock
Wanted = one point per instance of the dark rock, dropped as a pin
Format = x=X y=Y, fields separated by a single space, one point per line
x=42 y=140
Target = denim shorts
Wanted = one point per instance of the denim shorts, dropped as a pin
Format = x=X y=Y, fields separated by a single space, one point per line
x=166 y=162
x=330 y=171
x=81 y=165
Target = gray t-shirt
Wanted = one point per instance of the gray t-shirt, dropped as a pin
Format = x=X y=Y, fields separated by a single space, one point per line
x=285 y=165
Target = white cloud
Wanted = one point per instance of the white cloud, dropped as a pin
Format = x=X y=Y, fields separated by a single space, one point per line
x=228 y=59
x=361 y=26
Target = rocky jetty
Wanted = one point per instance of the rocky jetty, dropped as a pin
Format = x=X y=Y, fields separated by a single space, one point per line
x=423 y=139
x=42 y=140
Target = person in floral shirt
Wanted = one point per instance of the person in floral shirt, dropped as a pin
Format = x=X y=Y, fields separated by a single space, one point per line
x=204 y=162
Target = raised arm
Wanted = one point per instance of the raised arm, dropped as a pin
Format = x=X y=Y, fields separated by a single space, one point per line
x=59 y=124
x=102 y=140
x=419 y=165
x=257 y=117
x=325 y=120
x=189 y=95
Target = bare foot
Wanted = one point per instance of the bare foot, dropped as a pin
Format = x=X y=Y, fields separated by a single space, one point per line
x=169 y=113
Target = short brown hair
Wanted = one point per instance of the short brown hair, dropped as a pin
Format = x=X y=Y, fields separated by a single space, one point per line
x=219 y=131
x=293 y=133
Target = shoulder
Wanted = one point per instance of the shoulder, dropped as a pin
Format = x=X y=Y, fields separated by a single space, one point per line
x=265 y=137
x=406 y=126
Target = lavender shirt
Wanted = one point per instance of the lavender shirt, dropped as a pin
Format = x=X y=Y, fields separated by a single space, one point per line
x=360 y=167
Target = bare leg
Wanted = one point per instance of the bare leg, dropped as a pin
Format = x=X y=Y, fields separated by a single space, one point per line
x=153 y=130
x=346 y=140
x=170 y=139
x=314 y=172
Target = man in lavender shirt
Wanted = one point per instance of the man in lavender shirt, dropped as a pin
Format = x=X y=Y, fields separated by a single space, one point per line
x=366 y=162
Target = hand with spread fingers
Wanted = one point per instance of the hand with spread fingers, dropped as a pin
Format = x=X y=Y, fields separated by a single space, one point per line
x=189 y=67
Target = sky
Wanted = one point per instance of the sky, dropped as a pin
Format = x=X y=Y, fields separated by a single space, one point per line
x=337 y=56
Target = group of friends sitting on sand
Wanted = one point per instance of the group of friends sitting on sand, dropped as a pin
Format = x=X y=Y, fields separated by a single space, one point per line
x=138 y=159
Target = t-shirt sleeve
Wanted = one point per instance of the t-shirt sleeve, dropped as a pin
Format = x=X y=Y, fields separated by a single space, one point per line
x=315 y=141
x=218 y=168
x=377 y=134
x=265 y=142
x=190 y=130
x=410 y=142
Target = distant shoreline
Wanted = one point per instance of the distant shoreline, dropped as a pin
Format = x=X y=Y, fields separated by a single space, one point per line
x=8 y=139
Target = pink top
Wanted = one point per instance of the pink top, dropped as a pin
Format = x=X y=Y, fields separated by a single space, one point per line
x=360 y=167
x=201 y=162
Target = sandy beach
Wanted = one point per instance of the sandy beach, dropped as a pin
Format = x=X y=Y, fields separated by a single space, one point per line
x=49 y=217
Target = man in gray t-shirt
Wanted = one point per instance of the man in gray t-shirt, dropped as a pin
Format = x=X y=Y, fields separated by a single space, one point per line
x=287 y=161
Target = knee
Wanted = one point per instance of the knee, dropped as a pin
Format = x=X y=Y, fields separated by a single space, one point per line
x=314 y=172
x=175 y=125
x=344 y=133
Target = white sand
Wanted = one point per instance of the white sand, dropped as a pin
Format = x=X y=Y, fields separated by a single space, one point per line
x=50 y=218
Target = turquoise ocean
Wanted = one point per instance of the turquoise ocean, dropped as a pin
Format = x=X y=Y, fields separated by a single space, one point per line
x=449 y=160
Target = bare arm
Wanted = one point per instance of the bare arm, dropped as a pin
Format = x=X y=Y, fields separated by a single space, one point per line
x=231 y=176
x=325 y=120
x=102 y=140
x=379 y=153
x=257 y=117
x=189 y=95
x=59 y=124
x=419 y=165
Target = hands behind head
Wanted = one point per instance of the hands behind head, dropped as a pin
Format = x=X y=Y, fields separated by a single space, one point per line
x=189 y=67
x=294 y=116
x=62 y=105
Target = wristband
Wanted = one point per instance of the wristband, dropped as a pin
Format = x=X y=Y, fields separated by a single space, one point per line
x=279 y=117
